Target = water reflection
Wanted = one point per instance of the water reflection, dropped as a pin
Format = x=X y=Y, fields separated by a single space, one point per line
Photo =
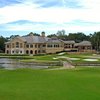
x=15 y=63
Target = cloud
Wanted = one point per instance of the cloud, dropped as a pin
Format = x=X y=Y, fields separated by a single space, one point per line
x=33 y=12
x=50 y=15
x=4 y=3
x=90 y=4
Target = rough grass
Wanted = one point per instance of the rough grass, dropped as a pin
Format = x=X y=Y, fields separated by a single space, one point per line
x=27 y=84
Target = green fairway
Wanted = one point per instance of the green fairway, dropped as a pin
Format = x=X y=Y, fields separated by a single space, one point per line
x=27 y=84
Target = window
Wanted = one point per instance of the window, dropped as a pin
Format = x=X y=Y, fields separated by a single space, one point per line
x=20 y=51
x=35 y=51
x=12 y=45
x=17 y=44
x=27 y=52
x=44 y=45
x=7 y=46
x=12 y=51
x=31 y=46
x=27 y=46
x=7 y=51
x=20 y=45
x=56 y=45
x=38 y=51
x=31 y=52
x=35 y=45
x=43 y=51
x=38 y=46
x=49 y=45
x=88 y=47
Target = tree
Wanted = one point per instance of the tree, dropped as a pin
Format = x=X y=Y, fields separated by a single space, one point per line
x=52 y=35
x=34 y=34
x=13 y=36
x=61 y=34
x=2 y=43
x=95 y=39
x=77 y=37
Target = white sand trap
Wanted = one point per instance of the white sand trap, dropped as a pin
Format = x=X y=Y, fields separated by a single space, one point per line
x=74 y=58
x=90 y=59
x=61 y=53
x=55 y=58
x=94 y=54
x=62 y=57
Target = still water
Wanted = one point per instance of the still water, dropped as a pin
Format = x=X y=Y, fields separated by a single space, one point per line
x=14 y=64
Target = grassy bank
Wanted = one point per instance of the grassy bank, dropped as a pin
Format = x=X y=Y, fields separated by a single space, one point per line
x=74 y=58
x=27 y=84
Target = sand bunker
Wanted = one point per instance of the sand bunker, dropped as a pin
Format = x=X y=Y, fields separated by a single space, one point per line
x=90 y=59
x=61 y=53
x=62 y=57
x=55 y=58
x=74 y=58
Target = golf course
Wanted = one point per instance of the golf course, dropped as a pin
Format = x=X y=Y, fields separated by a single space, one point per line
x=71 y=84
x=79 y=83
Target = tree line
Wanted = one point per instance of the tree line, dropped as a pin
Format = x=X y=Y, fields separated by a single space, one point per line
x=77 y=37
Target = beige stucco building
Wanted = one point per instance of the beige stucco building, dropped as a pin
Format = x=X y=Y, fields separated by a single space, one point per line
x=34 y=45
x=43 y=45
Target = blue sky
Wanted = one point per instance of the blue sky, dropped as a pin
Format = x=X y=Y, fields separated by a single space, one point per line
x=19 y=17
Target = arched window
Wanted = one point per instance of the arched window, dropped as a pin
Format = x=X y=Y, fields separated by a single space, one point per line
x=7 y=51
x=20 y=51
x=31 y=52
x=13 y=52
x=35 y=51
x=27 y=52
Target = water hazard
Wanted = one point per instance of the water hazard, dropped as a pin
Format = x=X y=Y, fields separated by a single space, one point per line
x=7 y=63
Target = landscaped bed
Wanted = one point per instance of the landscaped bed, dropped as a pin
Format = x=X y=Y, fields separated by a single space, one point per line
x=27 y=84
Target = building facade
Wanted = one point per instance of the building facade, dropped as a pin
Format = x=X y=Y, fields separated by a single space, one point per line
x=34 y=45
x=84 y=46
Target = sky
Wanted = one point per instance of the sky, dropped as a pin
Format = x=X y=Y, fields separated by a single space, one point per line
x=19 y=17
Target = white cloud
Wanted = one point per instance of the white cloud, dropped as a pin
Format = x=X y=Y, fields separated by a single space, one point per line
x=90 y=4
x=32 y=12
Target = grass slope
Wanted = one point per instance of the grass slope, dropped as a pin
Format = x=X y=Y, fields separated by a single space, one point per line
x=27 y=84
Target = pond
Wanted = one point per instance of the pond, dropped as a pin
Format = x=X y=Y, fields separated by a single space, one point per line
x=7 y=63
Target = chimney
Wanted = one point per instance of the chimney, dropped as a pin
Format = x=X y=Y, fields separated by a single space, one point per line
x=43 y=34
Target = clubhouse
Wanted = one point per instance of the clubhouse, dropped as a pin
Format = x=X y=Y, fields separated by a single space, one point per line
x=43 y=45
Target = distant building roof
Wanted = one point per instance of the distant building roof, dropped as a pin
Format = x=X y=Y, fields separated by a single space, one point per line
x=34 y=39
x=69 y=42
x=54 y=40
x=37 y=39
x=83 y=43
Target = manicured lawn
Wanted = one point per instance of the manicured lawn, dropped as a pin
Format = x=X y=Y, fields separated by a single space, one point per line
x=27 y=84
